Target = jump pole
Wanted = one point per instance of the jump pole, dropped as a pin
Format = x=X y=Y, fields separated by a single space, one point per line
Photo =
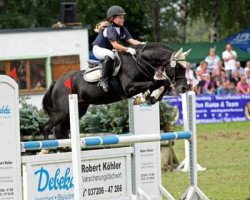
x=193 y=192
x=76 y=148
x=187 y=106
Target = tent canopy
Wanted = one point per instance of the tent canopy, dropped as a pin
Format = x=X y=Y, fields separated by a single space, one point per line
x=241 y=40
x=200 y=50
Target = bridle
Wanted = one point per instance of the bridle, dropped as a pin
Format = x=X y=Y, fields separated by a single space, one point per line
x=142 y=64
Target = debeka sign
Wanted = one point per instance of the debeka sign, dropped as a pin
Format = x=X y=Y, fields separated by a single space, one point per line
x=5 y=111
x=102 y=178
x=10 y=162
x=58 y=180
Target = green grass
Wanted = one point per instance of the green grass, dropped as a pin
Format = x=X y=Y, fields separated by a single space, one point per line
x=224 y=149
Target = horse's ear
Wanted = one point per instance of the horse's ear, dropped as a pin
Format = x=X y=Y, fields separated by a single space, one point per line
x=178 y=53
x=186 y=53
x=181 y=58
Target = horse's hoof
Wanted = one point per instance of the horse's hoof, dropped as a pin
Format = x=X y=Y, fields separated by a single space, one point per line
x=43 y=151
x=136 y=102
x=139 y=100
x=151 y=101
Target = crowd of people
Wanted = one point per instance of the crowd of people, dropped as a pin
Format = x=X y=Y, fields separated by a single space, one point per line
x=220 y=76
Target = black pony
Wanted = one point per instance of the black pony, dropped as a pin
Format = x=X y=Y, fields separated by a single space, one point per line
x=136 y=75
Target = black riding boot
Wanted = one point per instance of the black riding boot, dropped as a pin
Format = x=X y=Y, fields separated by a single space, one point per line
x=106 y=68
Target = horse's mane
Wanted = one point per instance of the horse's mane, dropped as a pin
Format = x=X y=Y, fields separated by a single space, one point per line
x=155 y=45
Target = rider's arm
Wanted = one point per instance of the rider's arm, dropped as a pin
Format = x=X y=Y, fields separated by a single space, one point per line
x=134 y=42
x=118 y=46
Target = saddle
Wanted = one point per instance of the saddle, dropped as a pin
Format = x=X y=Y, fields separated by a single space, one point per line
x=93 y=74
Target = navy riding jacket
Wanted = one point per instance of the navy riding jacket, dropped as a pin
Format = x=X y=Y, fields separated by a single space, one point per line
x=110 y=34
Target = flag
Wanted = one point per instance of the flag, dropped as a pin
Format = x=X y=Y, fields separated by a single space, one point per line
x=13 y=73
x=68 y=85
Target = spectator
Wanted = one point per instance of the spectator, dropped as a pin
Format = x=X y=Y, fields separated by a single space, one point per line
x=247 y=67
x=190 y=76
x=239 y=69
x=242 y=86
x=200 y=78
x=212 y=60
x=248 y=77
x=232 y=88
x=216 y=70
x=199 y=73
x=223 y=77
x=235 y=77
x=216 y=85
x=203 y=67
x=229 y=56
x=223 y=89
x=208 y=87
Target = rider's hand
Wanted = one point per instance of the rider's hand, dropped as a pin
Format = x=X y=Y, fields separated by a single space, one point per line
x=131 y=51
x=143 y=43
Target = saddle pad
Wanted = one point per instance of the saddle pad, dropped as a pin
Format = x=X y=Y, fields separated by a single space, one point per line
x=92 y=75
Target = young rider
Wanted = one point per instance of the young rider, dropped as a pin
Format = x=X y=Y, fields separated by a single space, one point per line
x=111 y=32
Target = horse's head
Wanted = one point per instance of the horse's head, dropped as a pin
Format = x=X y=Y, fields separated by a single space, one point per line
x=173 y=62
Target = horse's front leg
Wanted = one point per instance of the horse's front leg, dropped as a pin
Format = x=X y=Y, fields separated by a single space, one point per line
x=158 y=97
x=138 y=87
x=142 y=99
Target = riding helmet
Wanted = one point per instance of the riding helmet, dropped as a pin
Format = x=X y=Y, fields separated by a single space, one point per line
x=115 y=10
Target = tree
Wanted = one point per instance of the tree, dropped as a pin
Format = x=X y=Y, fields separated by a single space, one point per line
x=184 y=11
x=28 y=13
x=148 y=20
x=95 y=11
x=224 y=17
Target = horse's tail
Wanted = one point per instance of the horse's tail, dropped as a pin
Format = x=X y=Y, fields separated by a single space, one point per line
x=47 y=100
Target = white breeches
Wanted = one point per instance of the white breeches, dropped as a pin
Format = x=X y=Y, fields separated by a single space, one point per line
x=100 y=52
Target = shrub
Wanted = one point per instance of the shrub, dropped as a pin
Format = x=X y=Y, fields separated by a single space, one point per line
x=114 y=118
x=31 y=119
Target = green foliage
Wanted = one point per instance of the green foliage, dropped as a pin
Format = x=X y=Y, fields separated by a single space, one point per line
x=95 y=121
x=114 y=118
x=119 y=117
x=232 y=16
x=31 y=119
x=143 y=16
x=167 y=116
x=149 y=20
x=111 y=118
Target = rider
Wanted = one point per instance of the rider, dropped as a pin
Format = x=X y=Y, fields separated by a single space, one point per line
x=111 y=31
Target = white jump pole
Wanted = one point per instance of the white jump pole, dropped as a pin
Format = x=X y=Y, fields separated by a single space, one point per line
x=184 y=165
x=76 y=147
x=193 y=192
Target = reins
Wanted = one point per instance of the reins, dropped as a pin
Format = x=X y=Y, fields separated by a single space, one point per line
x=143 y=69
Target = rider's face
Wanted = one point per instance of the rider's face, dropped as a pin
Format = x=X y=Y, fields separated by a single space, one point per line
x=119 y=20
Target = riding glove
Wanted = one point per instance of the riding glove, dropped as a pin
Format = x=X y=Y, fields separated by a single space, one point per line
x=131 y=51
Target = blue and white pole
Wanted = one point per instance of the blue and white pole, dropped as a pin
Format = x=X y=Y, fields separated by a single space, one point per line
x=126 y=139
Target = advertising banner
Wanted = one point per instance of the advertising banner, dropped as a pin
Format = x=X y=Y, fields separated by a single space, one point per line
x=51 y=178
x=215 y=108
x=10 y=162
x=241 y=40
